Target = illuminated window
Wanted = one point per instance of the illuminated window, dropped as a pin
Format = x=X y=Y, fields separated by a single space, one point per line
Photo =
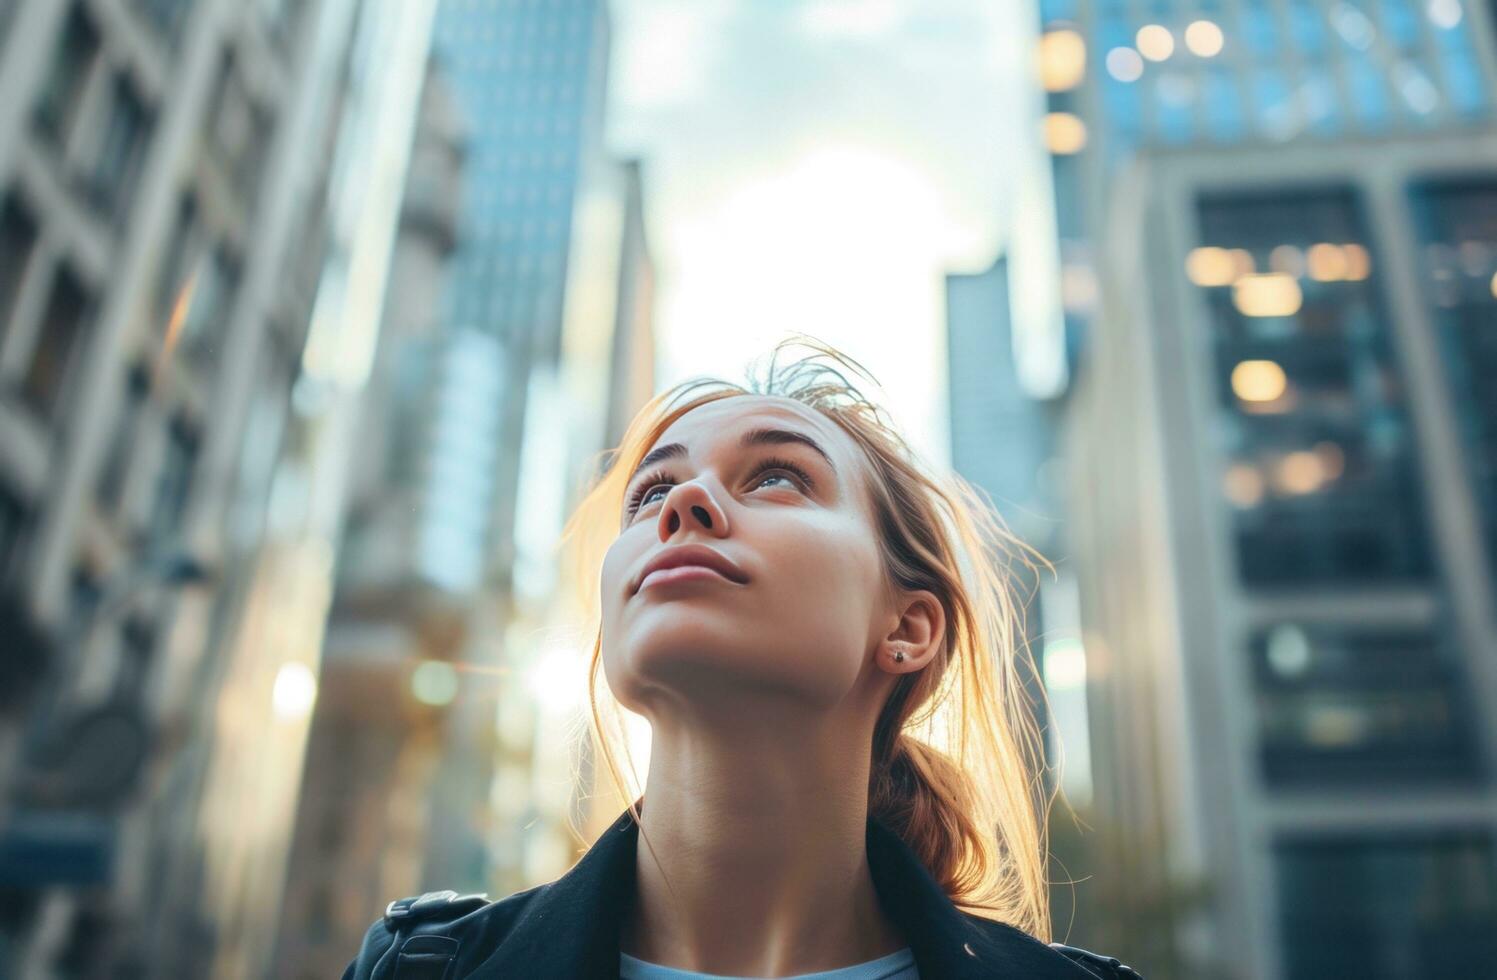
x=1360 y=706
x=1321 y=479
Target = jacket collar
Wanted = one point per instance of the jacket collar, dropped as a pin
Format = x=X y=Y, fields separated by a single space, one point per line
x=571 y=927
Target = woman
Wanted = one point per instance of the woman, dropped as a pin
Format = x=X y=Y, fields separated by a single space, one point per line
x=822 y=638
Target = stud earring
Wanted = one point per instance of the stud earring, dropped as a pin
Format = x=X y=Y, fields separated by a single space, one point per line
x=899 y=656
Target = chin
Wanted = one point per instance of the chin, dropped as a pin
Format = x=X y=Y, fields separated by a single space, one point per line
x=727 y=674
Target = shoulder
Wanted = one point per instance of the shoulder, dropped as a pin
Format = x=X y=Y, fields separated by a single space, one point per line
x=1108 y=967
x=434 y=929
x=1026 y=952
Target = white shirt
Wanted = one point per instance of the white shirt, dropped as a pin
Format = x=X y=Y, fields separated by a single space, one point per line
x=899 y=965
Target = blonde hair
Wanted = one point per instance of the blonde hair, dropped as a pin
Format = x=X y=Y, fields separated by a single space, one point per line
x=957 y=755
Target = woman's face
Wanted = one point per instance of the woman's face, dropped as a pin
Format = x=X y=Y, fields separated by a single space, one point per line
x=804 y=606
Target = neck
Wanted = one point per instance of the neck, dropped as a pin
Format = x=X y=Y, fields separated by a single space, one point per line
x=759 y=864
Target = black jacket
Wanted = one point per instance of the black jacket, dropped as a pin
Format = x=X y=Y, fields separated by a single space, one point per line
x=568 y=929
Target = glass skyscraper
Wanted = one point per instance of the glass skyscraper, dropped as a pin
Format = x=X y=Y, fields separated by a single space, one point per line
x=529 y=78
x=1285 y=214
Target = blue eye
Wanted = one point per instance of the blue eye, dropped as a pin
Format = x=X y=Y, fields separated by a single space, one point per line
x=644 y=492
x=788 y=466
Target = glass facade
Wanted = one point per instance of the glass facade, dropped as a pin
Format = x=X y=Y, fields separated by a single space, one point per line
x=1317 y=447
x=524 y=75
x=1212 y=71
x=1345 y=707
x=1309 y=431
x=1456 y=221
x=1380 y=908
x=1064 y=70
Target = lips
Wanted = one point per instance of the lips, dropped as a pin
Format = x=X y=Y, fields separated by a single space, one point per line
x=690 y=554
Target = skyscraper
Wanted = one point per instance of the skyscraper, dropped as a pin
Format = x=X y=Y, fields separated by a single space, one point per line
x=1281 y=461
x=529 y=76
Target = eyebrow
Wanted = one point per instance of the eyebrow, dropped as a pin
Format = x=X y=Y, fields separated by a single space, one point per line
x=751 y=438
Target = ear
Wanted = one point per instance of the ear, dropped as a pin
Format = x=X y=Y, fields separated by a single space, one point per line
x=918 y=634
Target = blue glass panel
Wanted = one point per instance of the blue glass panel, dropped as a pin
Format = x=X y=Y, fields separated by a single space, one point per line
x=1401 y=23
x=1368 y=95
x=1052 y=10
x=1321 y=101
x=1175 y=120
x=1112 y=32
x=1258 y=31
x=1223 y=106
x=1466 y=90
x=1307 y=27
x=1122 y=105
x=1270 y=91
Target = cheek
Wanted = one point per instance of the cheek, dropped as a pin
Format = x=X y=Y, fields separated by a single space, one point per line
x=827 y=575
x=613 y=576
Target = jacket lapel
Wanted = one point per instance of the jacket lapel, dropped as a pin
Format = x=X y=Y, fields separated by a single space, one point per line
x=571 y=928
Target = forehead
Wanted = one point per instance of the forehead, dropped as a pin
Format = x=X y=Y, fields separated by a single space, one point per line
x=721 y=422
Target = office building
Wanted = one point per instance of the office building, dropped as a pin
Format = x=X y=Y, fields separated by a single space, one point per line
x=1280 y=493
x=161 y=175
x=175 y=179
x=530 y=79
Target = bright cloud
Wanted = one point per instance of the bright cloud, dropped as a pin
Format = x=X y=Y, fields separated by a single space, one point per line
x=817 y=166
x=851 y=18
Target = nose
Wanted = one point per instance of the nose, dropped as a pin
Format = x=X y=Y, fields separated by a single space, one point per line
x=691 y=504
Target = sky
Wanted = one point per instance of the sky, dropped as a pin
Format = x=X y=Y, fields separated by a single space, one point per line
x=817 y=166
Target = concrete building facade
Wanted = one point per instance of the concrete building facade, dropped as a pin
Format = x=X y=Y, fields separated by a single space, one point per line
x=363 y=815
x=160 y=176
x=167 y=193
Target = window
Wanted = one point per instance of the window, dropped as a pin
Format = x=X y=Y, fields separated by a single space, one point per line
x=202 y=277
x=122 y=444
x=239 y=130
x=164 y=15
x=14 y=521
x=120 y=150
x=18 y=234
x=182 y=250
x=63 y=325
x=1456 y=222
x=57 y=104
x=1355 y=706
x=212 y=297
x=174 y=484
x=1381 y=907
x=1319 y=470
